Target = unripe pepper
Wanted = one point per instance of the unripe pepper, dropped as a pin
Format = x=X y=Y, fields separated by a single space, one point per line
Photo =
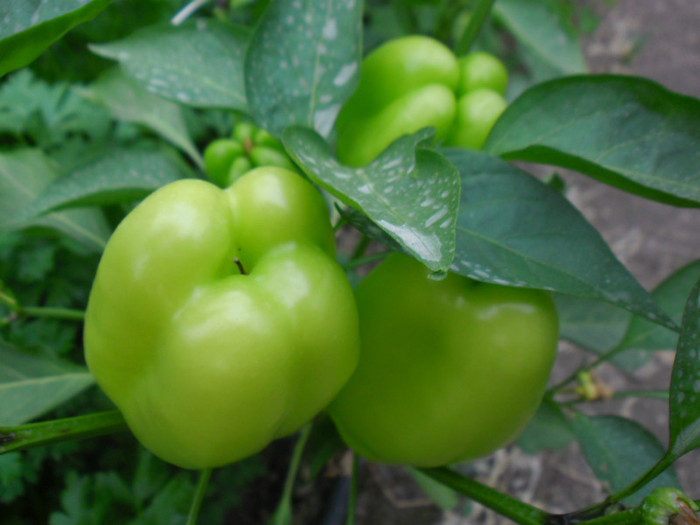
x=410 y=83
x=249 y=147
x=449 y=370
x=219 y=319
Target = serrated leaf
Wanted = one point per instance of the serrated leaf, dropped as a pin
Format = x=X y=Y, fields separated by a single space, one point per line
x=32 y=385
x=28 y=27
x=515 y=230
x=684 y=396
x=23 y=176
x=548 y=429
x=554 y=42
x=412 y=194
x=303 y=63
x=619 y=451
x=121 y=175
x=643 y=337
x=128 y=101
x=208 y=71
x=629 y=132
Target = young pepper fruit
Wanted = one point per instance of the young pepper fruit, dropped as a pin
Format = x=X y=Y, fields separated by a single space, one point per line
x=249 y=147
x=219 y=319
x=413 y=82
x=449 y=370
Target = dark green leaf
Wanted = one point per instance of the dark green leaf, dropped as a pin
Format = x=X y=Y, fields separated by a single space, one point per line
x=591 y=324
x=303 y=63
x=412 y=194
x=32 y=385
x=685 y=380
x=24 y=174
x=199 y=63
x=628 y=132
x=554 y=42
x=515 y=230
x=122 y=175
x=548 y=429
x=28 y=27
x=127 y=100
x=643 y=337
x=619 y=451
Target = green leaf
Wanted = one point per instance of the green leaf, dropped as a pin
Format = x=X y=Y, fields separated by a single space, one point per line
x=32 y=385
x=24 y=174
x=685 y=380
x=590 y=323
x=129 y=102
x=199 y=63
x=303 y=63
x=628 y=132
x=28 y=27
x=548 y=429
x=554 y=42
x=122 y=175
x=619 y=451
x=412 y=194
x=515 y=230
x=643 y=337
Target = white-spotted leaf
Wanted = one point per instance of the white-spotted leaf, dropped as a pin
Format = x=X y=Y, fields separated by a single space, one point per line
x=685 y=380
x=303 y=63
x=208 y=71
x=127 y=100
x=411 y=193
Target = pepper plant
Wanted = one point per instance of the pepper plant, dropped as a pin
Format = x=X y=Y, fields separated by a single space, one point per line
x=221 y=320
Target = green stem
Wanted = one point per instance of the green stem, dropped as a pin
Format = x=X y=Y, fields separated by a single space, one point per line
x=68 y=314
x=284 y=508
x=361 y=261
x=361 y=247
x=479 y=16
x=199 y=494
x=504 y=504
x=67 y=429
x=627 y=517
x=664 y=463
x=354 y=484
x=661 y=395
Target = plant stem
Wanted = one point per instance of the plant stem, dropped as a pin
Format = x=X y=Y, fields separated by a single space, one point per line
x=283 y=514
x=479 y=16
x=54 y=431
x=504 y=504
x=67 y=314
x=352 y=501
x=361 y=247
x=626 y=517
x=360 y=261
x=199 y=494
x=664 y=463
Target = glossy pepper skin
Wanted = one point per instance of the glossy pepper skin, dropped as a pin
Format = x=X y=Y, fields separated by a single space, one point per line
x=408 y=84
x=219 y=320
x=449 y=370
